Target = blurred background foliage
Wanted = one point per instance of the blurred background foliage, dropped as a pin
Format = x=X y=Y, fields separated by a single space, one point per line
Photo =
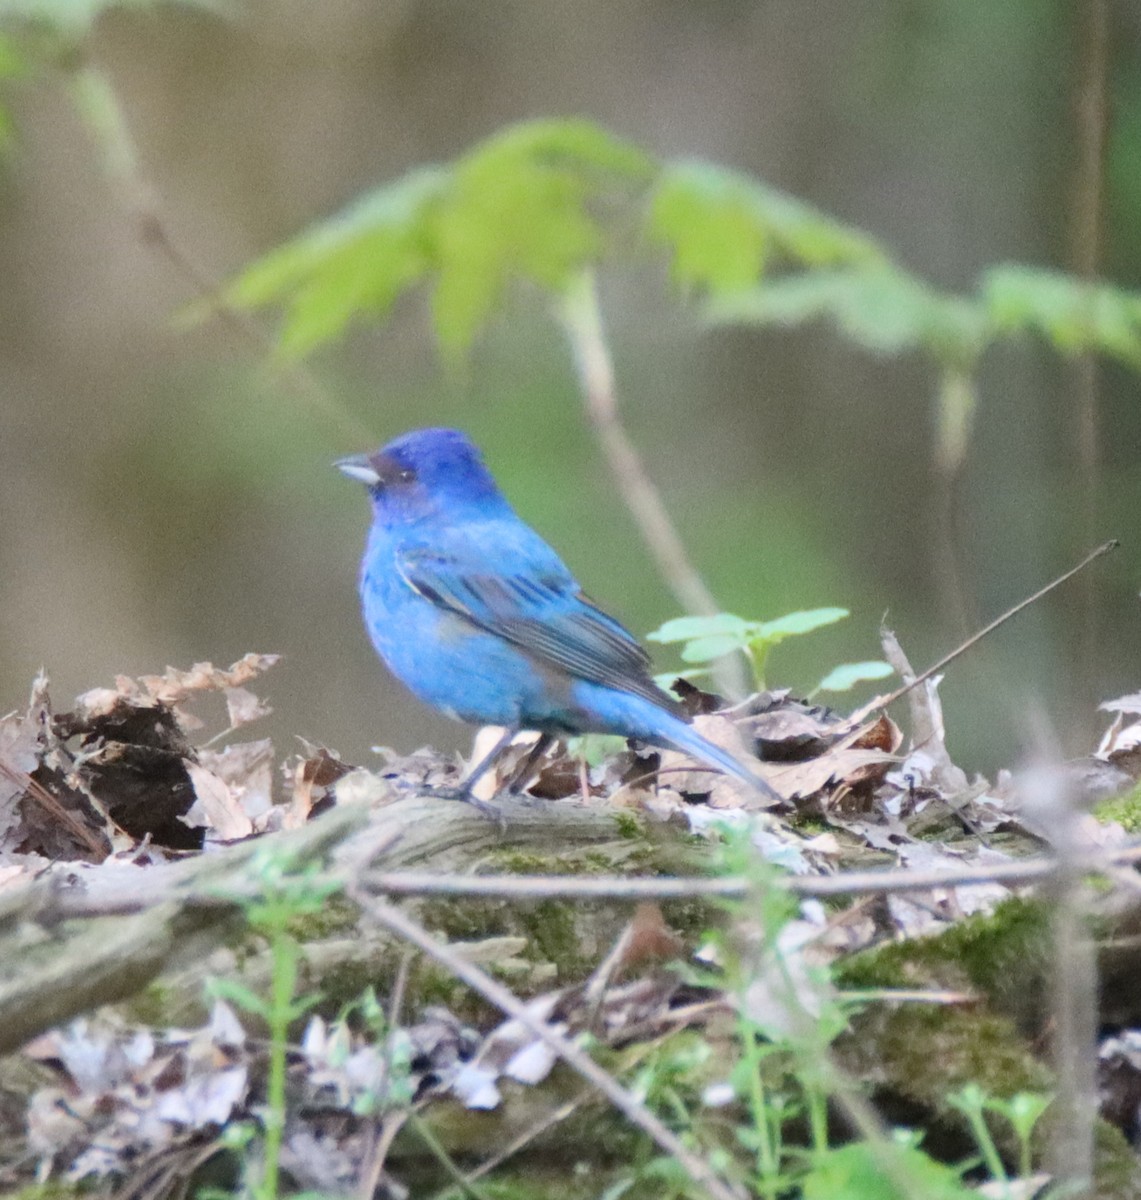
x=165 y=487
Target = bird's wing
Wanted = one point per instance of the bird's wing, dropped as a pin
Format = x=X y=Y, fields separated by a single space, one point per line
x=537 y=606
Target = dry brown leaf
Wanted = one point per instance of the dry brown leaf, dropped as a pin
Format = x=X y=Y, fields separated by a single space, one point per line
x=679 y=771
x=217 y=807
x=645 y=938
x=242 y=707
x=176 y=686
x=313 y=780
x=247 y=770
x=840 y=765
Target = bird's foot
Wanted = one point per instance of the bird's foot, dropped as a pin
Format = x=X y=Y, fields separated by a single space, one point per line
x=490 y=811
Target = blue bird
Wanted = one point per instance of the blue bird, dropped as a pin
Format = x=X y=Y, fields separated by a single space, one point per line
x=480 y=618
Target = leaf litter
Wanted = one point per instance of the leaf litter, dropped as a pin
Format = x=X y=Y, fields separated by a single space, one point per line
x=130 y=774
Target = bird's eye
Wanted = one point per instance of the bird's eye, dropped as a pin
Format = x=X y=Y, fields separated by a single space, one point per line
x=406 y=476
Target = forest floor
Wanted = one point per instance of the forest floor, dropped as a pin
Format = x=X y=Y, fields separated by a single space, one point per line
x=262 y=976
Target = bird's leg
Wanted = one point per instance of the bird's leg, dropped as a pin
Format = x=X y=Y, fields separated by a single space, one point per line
x=525 y=771
x=464 y=791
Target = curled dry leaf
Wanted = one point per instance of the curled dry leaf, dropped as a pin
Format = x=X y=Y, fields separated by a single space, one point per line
x=1120 y=745
x=217 y=806
x=314 y=778
x=646 y=938
x=864 y=756
x=247 y=770
x=243 y=707
x=175 y=686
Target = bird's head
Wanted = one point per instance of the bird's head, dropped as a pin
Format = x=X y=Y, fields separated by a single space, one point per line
x=423 y=473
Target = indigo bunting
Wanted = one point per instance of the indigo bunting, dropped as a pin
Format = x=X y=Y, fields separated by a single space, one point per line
x=479 y=617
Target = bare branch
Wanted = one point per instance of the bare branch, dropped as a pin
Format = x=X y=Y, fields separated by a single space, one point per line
x=495 y=993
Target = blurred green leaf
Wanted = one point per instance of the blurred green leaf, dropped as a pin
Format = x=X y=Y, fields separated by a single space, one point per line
x=1073 y=315
x=880 y=308
x=682 y=629
x=708 y=638
x=354 y=264
x=845 y=677
x=237 y=993
x=799 y=622
x=520 y=205
x=716 y=240
x=11 y=61
x=706 y=649
x=595 y=748
x=12 y=66
x=721 y=227
x=857 y=1171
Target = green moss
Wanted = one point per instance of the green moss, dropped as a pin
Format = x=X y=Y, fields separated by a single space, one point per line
x=552 y=933
x=468 y=920
x=1005 y=955
x=627 y=825
x=924 y=1051
x=691 y=917
x=337 y=916
x=1116 y=1172
x=153 y=1005
x=1125 y=810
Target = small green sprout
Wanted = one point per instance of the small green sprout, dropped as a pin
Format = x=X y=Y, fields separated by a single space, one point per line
x=706 y=639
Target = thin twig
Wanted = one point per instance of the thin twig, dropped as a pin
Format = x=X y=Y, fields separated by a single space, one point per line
x=51 y=905
x=574 y=1056
x=581 y=320
x=464 y=1182
x=883 y=701
x=846 y=883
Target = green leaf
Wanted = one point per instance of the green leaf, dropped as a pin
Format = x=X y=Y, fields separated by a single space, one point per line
x=706 y=649
x=858 y=1172
x=595 y=748
x=717 y=242
x=846 y=676
x=683 y=629
x=519 y=206
x=239 y=994
x=881 y=308
x=722 y=226
x=12 y=62
x=354 y=264
x=1072 y=314
x=799 y=622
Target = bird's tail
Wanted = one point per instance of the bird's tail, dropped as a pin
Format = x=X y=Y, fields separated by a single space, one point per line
x=631 y=715
x=685 y=738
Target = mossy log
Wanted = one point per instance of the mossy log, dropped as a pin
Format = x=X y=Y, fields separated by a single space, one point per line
x=76 y=940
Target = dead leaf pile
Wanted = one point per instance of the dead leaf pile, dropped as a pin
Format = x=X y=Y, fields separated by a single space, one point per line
x=125 y=1095
x=135 y=765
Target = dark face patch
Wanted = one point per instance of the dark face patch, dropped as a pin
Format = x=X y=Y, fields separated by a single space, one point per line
x=392 y=474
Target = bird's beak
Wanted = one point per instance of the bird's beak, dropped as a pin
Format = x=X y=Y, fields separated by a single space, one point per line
x=360 y=468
